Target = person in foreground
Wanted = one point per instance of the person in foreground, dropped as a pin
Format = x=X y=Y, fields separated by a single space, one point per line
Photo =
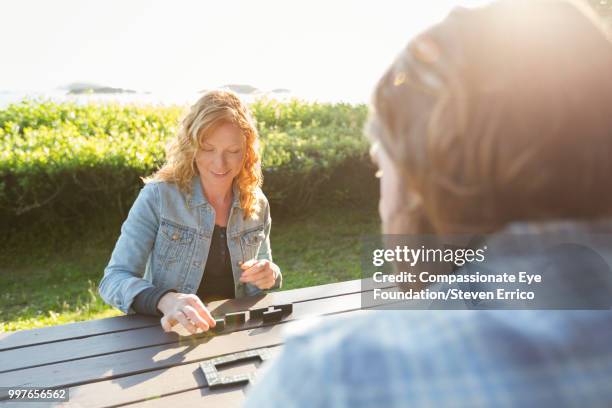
x=498 y=117
x=199 y=229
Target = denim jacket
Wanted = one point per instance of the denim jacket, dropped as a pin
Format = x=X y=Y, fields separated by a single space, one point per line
x=164 y=243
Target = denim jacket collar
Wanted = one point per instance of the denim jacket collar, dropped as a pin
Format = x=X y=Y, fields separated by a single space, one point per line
x=198 y=198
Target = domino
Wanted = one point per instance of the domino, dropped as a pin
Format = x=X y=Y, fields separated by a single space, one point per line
x=220 y=326
x=287 y=308
x=235 y=318
x=257 y=313
x=273 y=316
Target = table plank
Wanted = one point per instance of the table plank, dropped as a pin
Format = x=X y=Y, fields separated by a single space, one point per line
x=157 y=383
x=24 y=338
x=203 y=397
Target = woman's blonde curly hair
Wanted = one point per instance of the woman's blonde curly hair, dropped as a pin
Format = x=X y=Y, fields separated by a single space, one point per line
x=212 y=110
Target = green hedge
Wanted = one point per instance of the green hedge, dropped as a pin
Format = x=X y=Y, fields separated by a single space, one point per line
x=62 y=162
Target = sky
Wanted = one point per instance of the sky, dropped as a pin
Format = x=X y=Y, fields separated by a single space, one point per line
x=327 y=49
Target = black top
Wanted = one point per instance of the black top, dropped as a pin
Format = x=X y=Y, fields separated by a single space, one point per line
x=217 y=282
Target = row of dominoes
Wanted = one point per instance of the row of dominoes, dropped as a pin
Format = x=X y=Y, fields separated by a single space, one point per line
x=270 y=314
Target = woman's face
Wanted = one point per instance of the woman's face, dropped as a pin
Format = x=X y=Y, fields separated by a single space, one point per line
x=220 y=158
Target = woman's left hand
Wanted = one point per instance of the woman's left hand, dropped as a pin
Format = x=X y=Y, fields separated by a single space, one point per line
x=261 y=273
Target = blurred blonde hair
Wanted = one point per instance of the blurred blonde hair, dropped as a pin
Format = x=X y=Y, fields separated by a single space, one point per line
x=213 y=109
x=500 y=113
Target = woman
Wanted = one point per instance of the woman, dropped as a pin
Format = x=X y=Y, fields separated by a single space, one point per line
x=199 y=229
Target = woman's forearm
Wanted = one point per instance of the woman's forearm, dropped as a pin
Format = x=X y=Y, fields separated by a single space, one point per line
x=146 y=302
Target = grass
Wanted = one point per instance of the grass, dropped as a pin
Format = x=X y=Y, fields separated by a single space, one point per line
x=50 y=281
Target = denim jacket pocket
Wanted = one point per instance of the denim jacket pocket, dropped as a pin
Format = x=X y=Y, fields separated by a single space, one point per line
x=172 y=246
x=250 y=241
x=173 y=240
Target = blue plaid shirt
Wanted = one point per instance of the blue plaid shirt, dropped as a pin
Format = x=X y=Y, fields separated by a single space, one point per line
x=448 y=358
x=467 y=358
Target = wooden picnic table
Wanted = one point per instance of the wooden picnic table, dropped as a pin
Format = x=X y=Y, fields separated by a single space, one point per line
x=130 y=360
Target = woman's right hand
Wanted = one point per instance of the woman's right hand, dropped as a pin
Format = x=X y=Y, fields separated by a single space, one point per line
x=186 y=309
